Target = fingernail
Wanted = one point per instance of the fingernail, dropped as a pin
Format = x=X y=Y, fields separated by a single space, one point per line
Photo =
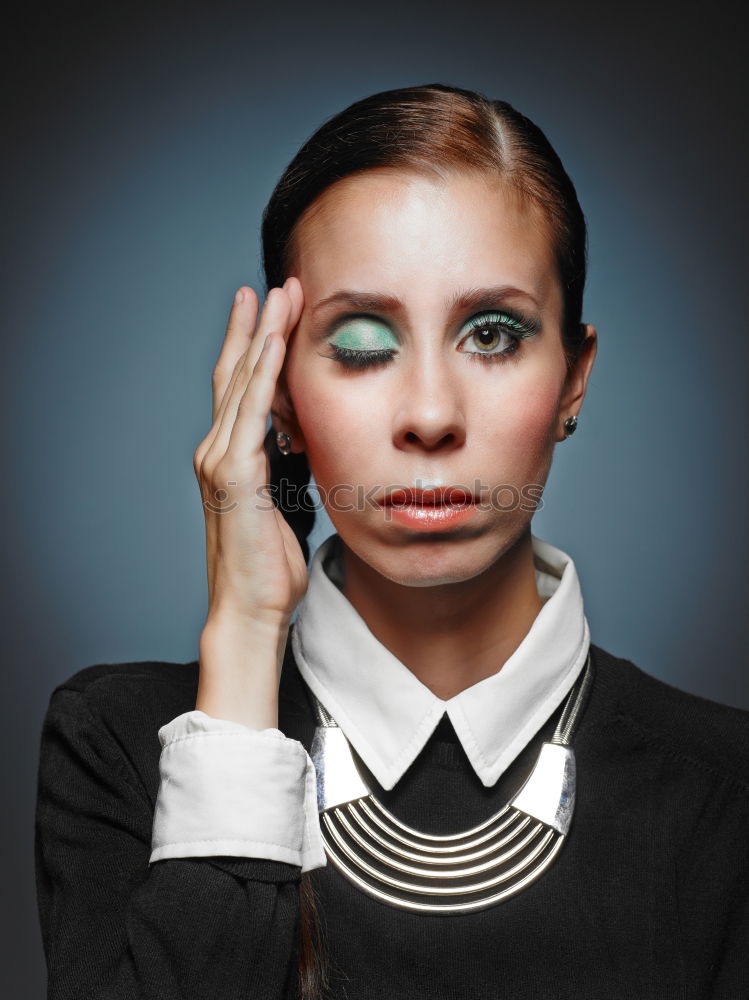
x=239 y=297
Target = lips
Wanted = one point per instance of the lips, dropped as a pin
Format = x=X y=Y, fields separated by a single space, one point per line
x=443 y=496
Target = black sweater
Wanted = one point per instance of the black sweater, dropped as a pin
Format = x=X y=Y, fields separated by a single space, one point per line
x=649 y=897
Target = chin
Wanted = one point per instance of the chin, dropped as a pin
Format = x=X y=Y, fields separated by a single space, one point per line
x=432 y=563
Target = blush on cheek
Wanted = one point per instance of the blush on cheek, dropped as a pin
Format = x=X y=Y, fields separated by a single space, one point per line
x=333 y=419
x=336 y=448
x=541 y=419
x=526 y=436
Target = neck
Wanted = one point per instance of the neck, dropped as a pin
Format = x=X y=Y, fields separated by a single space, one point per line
x=453 y=635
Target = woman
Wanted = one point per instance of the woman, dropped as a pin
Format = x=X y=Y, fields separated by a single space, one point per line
x=432 y=783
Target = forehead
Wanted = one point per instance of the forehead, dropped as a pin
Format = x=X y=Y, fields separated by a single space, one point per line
x=408 y=234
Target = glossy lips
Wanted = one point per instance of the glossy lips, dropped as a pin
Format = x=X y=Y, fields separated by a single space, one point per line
x=429 y=510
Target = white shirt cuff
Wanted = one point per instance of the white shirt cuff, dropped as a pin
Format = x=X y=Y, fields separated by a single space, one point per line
x=229 y=789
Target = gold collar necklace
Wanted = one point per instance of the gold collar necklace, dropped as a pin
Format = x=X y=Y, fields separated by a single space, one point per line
x=458 y=872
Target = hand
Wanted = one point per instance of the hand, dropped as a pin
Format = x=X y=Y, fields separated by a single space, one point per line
x=256 y=569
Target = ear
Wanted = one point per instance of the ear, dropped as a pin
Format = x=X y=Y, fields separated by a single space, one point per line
x=283 y=414
x=576 y=381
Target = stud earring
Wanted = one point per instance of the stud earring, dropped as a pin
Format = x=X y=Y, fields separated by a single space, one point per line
x=283 y=442
x=570 y=425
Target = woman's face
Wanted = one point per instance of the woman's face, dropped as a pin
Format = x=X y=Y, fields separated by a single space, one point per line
x=449 y=294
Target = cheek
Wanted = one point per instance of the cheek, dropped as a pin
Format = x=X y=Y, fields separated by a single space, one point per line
x=337 y=429
x=525 y=425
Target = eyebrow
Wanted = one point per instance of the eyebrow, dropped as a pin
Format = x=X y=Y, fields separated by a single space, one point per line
x=472 y=298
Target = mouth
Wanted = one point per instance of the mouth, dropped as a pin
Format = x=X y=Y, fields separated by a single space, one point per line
x=444 y=496
x=446 y=509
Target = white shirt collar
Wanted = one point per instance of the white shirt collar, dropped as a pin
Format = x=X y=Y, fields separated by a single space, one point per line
x=385 y=711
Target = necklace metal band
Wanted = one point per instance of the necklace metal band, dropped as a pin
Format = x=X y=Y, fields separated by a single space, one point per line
x=453 y=873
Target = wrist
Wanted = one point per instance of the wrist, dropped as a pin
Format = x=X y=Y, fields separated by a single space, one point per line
x=240 y=669
x=225 y=618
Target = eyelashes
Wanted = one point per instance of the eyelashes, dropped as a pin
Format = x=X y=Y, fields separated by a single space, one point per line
x=360 y=359
x=508 y=323
x=515 y=327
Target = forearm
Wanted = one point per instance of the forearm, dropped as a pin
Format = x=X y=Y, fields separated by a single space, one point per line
x=240 y=668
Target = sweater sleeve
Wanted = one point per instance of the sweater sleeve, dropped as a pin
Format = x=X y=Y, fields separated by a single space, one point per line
x=118 y=925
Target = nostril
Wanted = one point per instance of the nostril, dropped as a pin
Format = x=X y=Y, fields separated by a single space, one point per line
x=430 y=442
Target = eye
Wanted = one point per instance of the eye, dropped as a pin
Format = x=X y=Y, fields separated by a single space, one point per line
x=491 y=330
x=363 y=341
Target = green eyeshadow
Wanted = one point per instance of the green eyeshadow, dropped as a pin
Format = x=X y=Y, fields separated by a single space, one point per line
x=364 y=335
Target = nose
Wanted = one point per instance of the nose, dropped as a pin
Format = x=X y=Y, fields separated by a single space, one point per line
x=430 y=414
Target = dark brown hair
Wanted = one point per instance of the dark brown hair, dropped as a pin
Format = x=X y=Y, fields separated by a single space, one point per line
x=434 y=129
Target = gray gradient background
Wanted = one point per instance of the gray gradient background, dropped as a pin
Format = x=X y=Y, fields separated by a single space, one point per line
x=144 y=144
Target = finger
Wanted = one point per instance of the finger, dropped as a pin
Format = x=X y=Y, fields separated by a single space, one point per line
x=239 y=330
x=282 y=318
x=294 y=290
x=238 y=369
x=204 y=448
x=273 y=319
x=280 y=314
x=276 y=317
x=273 y=315
x=248 y=429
